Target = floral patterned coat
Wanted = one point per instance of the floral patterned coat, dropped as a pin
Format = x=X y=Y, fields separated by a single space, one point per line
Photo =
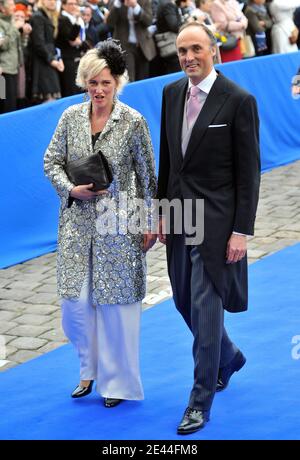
x=117 y=261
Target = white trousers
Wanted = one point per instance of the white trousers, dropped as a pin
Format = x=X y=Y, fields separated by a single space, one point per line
x=107 y=341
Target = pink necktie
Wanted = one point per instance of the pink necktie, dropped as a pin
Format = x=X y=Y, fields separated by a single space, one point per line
x=193 y=105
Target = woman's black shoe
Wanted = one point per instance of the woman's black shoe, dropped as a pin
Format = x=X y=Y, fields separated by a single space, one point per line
x=112 y=402
x=82 y=391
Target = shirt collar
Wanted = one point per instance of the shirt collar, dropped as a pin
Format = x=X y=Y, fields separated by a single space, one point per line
x=206 y=84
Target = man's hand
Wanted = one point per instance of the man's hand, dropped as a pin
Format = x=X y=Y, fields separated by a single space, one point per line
x=236 y=248
x=149 y=240
x=162 y=230
x=83 y=192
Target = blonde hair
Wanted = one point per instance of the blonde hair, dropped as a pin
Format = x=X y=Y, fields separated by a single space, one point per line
x=91 y=65
x=52 y=15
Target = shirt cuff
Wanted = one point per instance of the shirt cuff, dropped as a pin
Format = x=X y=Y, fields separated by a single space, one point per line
x=241 y=234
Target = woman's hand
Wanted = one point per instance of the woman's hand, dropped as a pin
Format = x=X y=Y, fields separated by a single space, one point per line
x=58 y=65
x=84 y=192
x=149 y=241
x=76 y=42
x=27 y=29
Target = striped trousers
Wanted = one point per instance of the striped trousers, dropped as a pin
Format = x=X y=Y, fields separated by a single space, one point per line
x=201 y=306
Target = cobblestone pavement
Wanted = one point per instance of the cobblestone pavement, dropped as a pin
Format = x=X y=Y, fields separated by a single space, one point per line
x=29 y=308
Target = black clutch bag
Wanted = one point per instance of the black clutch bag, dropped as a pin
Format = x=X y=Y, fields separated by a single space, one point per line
x=92 y=169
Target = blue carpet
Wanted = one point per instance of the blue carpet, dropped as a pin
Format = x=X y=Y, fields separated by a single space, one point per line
x=262 y=401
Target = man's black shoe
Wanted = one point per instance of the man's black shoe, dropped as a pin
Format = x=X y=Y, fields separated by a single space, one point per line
x=193 y=420
x=226 y=372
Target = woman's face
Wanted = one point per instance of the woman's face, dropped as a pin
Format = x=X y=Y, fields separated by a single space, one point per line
x=49 y=4
x=102 y=89
x=19 y=16
x=206 y=6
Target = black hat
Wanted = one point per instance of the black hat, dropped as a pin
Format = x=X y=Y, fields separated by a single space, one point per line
x=111 y=51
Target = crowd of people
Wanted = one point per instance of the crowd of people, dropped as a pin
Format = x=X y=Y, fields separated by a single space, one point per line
x=42 y=41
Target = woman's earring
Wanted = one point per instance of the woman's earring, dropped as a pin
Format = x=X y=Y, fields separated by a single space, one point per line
x=85 y=96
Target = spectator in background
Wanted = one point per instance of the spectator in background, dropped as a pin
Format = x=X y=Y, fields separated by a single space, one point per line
x=297 y=23
x=11 y=53
x=168 y=20
x=284 y=31
x=70 y=41
x=19 y=20
x=130 y=21
x=259 y=24
x=186 y=8
x=46 y=64
x=230 y=19
x=99 y=19
x=91 y=33
x=202 y=13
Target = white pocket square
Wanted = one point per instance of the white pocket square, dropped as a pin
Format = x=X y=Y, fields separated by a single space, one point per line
x=218 y=126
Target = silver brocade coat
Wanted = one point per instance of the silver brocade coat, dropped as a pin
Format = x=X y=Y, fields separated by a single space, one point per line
x=118 y=262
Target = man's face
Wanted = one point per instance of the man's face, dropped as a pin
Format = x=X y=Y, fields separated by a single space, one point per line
x=9 y=7
x=71 y=7
x=195 y=53
x=87 y=15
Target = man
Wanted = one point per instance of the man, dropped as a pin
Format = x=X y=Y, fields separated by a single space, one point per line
x=91 y=34
x=99 y=16
x=130 y=20
x=209 y=151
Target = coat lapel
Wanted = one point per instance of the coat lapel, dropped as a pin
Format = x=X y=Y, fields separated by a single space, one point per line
x=110 y=125
x=215 y=100
x=176 y=117
x=86 y=128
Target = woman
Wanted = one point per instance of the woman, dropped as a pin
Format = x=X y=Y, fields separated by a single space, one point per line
x=12 y=33
x=19 y=20
x=259 y=26
x=101 y=275
x=169 y=20
x=230 y=19
x=284 y=32
x=71 y=42
x=45 y=62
